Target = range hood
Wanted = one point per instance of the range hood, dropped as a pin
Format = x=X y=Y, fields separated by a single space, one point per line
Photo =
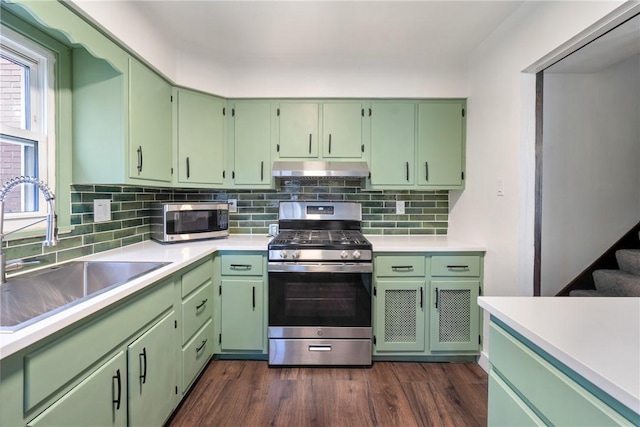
x=319 y=169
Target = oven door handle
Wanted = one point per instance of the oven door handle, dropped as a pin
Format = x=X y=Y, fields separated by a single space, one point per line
x=284 y=267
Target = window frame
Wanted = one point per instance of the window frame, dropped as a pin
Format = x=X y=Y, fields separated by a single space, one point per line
x=59 y=128
x=40 y=123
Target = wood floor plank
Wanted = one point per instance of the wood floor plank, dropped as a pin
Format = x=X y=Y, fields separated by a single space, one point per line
x=249 y=393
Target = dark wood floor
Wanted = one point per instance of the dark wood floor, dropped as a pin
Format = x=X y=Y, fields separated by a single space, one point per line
x=249 y=393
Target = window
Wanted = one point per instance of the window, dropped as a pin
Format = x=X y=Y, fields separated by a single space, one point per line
x=26 y=124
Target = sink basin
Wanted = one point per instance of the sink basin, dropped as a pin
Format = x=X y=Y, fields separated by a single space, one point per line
x=31 y=297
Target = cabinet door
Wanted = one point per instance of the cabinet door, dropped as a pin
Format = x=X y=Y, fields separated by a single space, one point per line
x=149 y=124
x=242 y=325
x=440 y=143
x=200 y=138
x=454 y=318
x=392 y=143
x=298 y=130
x=506 y=408
x=342 y=130
x=399 y=315
x=252 y=143
x=99 y=400
x=153 y=361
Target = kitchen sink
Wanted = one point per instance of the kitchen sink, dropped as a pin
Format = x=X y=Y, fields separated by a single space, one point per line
x=31 y=297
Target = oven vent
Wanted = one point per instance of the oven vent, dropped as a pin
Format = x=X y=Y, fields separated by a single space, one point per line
x=319 y=170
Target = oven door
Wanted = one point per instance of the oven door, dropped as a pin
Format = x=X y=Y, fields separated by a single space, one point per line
x=320 y=297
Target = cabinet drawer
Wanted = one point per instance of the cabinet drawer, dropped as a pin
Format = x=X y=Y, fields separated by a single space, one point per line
x=197 y=276
x=196 y=309
x=53 y=366
x=455 y=265
x=196 y=353
x=506 y=408
x=560 y=399
x=241 y=265
x=399 y=266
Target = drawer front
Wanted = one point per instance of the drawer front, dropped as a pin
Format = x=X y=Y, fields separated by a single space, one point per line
x=399 y=266
x=241 y=265
x=319 y=352
x=196 y=310
x=455 y=265
x=560 y=399
x=51 y=367
x=197 y=276
x=196 y=353
x=506 y=409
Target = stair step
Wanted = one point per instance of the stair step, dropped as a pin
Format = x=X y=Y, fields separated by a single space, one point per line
x=629 y=260
x=616 y=283
x=584 y=293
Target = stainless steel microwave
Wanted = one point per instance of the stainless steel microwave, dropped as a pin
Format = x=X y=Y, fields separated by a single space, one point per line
x=179 y=222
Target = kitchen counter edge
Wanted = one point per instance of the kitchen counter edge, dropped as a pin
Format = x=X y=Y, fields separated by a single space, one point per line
x=558 y=325
x=180 y=255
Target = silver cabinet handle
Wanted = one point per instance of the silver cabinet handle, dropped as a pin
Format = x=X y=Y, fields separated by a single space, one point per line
x=139 y=150
x=320 y=347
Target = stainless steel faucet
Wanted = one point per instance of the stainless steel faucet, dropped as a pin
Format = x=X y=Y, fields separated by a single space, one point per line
x=51 y=237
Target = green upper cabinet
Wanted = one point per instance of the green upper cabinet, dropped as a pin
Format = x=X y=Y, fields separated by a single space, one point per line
x=251 y=143
x=298 y=130
x=149 y=124
x=392 y=144
x=121 y=123
x=200 y=136
x=342 y=130
x=441 y=135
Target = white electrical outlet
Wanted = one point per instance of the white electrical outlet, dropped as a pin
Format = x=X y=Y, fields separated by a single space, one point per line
x=499 y=187
x=101 y=210
x=399 y=207
x=233 y=205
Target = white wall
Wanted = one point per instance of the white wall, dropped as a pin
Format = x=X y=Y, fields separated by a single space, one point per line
x=590 y=168
x=500 y=138
x=123 y=21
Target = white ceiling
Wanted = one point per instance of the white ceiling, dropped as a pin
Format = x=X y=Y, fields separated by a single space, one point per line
x=436 y=34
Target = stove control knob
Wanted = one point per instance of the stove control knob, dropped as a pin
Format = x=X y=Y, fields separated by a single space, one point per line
x=356 y=254
x=295 y=254
x=344 y=255
x=283 y=254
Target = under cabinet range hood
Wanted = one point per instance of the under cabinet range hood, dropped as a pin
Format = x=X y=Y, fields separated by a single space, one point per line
x=320 y=169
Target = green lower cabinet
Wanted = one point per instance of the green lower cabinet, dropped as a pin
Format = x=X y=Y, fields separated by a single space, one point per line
x=506 y=408
x=99 y=400
x=153 y=375
x=242 y=315
x=399 y=315
x=454 y=315
x=544 y=386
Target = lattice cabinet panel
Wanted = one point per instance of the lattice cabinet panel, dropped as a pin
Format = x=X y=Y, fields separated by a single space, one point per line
x=399 y=315
x=454 y=319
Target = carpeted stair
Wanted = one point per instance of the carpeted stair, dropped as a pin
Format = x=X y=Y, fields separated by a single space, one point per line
x=624 y=282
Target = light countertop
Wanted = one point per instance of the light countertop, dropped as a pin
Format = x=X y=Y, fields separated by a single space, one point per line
x=180 y=255
x=598 y=338
x=420 y=243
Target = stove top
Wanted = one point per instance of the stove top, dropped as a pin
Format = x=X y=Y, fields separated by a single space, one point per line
x=320 y=238
x=320 y=231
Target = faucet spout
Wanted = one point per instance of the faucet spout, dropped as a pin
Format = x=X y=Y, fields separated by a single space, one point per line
x=51 y=237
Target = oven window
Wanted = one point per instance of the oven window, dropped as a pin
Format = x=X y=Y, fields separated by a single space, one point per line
x=319 y=299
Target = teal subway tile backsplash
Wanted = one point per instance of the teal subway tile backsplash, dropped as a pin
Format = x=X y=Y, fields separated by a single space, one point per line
x=426 y=212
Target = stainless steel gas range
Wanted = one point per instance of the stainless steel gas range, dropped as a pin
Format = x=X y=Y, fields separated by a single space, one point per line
x=320 y=273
